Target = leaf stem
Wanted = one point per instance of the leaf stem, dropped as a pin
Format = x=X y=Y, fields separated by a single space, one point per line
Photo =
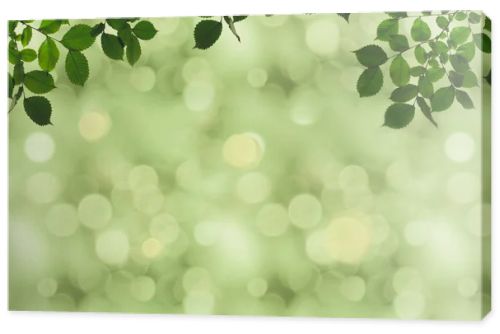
x=41 y=32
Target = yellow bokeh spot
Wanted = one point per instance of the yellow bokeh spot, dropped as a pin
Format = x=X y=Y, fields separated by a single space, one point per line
x=348 y=239
x=94 y=125
x=242 y=150
x=151 y=247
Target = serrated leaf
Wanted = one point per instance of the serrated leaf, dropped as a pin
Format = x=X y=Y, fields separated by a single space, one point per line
x=483 y=42
x=39 y=82
x=420 y=54
x=19 y=73
x=399 y=71
x=345 y=16
x=370 y=82
x=48 y=55
x=28 y=55
x=404 y=93
x=387 y=28
x=371 y=55
x=144 y=30
x=443 y=98
x=112 y=46
x=77 y=67
x=470 y=80
x=26 y=36
x=464 y=99
x=230 y=24
x=133 y=50
x=97 y=29
x=459 y=35
x=399 y=43
x=425 y=87
x=38 y=109
x=399 y=115
x=78 y=37
x=206 y=33
x=442 y=22
x=420 y=30
x=426 y=110
x=50 y=26
x=434 y=74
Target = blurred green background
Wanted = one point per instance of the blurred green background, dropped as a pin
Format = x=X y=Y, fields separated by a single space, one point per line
x=249 y=178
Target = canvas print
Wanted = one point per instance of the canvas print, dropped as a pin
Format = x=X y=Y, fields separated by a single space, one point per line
x=278 y=165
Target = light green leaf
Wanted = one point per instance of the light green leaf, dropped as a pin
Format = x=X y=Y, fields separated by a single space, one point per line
x=435 y=73
x=442 y=98
x=206 y=33
x=133 y=50
x=459 y=63
x=459 y=35
x=112 y=46
x=28 y=55
x=470 y=80
x=39 y=82
x=144 y=30
x=474 y=18
x=386 y=29
x=442 y=22
x=425 y=87
x=420 y=54
x=420 y=30
x=48 y=55
x=464 y=99
x=460 y=16
x=404 y=93
x=77 y=67
x=370 y=82
x=417 y=71
x=457 y=79
x=78 y=37
x=467 y=50
x=399 y=43
x=38 y=109
x=26 y=36
x=399 y=71
x=50 y=26
x=426 y=110
x=483 y=42
x=399 y=115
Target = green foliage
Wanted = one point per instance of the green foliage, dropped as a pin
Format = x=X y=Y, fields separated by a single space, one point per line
x=206 y=33
x=442 y=74
x=76 y=39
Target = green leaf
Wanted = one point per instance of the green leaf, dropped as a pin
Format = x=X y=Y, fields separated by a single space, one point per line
x=345 y=16
x=386 y=29
x=417 y=71
x=457 y=79
x=144 y=30
x=50 y=26
x=459 y=63
x=125 y=34
x=474 y=18
x=28 y=55
x=399 y=43
x=470 y=80
x=459 y=35
x=17 y=96
x=370 y=82
x=48 y=55
x=117 y=24
x=112 y=46
x=434 y=74
x=397 y=15
x=38 y=109
x=425 y=87
x=464 y=99
x=206 y=33
x=483 y=42
x=26 y=36
x=460 y=16
x=404 y=93
x=19 y=73
x=13 y=53
x=426 y=110
x=12 y=26
x=420 y=30
x=487 y=77
x=487 y=23
x=420 y=54
x=39 y=82
x=442 y=98
x=11 y=84
x=78 y=37
x=77 y=67
x=230 y=24
x=467 y=50
x=242 y=17
x=439 y=47
x=371 y=55
x=399 y=115
x=399 y=71
x=133 y=50
x=442 y=22
x=97 y=29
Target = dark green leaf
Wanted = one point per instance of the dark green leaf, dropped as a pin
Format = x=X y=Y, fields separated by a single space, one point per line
x=467 y=50
x=38 y=108
x=434 y=74
x=426 y=110
x=487 y=23
x=50 y=26
x=48 y=55
x=12 y=26
x=417 y=71
x=19 y=73
x=457 y=79
x=77 y=67
x=11 y=84
x=483 y=42
x=18 y=95
x=370 y=82
x=397 y=15
x=230 y=24
x=242 y=17
x=112 y=46
x=386 y=29
x=404 y=93
x=345 y=16
x=28 y=55
x=145 y=30
x=474 y=18
x=78 y=37
x=39 y=82
x=97 y=29
x=399 y=115
x=442 y=22
x=470 y=80
x=133 y=50
x=464 y=99
x=26 y=36
x=420 y=30
x=117 y=24
x=459 y=63
x=13 y=53
x=399 y=71
x=487 y=77
x=420 y=54
x=371 y=55
x=459 y=35
x=425 y=87
x=443 y=98
x=399 y=43
x=206 y=33
x=125 y=34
